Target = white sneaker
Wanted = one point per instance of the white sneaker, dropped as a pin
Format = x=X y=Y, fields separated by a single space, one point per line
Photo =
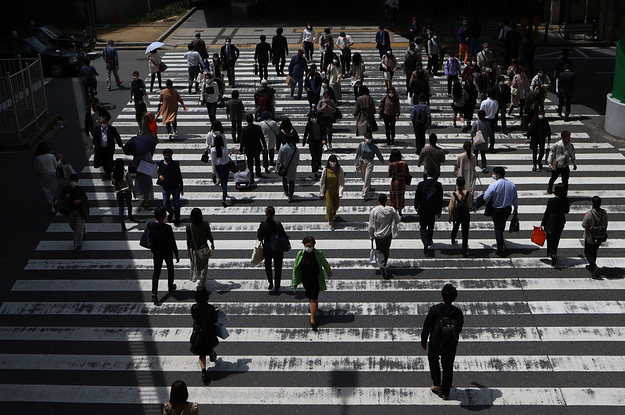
x=171 y=136
x=330 y=146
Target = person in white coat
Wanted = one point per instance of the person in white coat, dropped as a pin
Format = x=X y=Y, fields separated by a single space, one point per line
x=383 y=222
x=270 y=131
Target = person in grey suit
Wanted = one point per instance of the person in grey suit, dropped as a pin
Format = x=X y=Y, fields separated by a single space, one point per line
x=566 y=88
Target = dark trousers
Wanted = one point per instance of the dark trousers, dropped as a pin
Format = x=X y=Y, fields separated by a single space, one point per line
x=154 y=75
x=124 y=198
x=279 y=61
x=564 y=171
x=382 y=50
x=501 y=113
x=493 y=124
x=465 y=234
x=389 y=128
x=262 y=70
x=590 y=251
x=311 y=97
x=236 y=130
x=538 y=151
x=553 y=240
x=356 y=91
x=223 y=172
x=230 y=71
x=211 y=107
x=158 y=265
x=500 y=216
x=450 y=82
x=193 y=73
x=433 y=64
x=253 y=159
x=564 y=100
x=447 y=361
x=483 y=153
x=383 y=247
x=275 y=257
x=346 y=56
x=288 y=186
x=308 y=51
x=316 y=149
x=426 y=222
x=327 y=122
x=419 y=131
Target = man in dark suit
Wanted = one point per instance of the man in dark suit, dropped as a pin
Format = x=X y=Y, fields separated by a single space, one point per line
x=92 y=116
x=262 y=55
x=163 y=248
x=566 y=88
x=105 y=137
x=503 y=97
x=229 y=55
x=252 y=143
x=280 y=48
x=428 y=203
x=88 y=79
x=382 y=41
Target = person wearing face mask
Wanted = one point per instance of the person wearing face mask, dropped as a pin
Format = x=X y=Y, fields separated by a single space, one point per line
x=390 y=110
x=561 y=156
x=512 y=70
x=170 y=179
x=485 y=57
x=105 y=137
x=388 y=67
x=433 y=47
x=73 y=203
x=209 y=96
x=217 y=66
x=280 y=49
x=533 y=103
x=326 y=45
x=326 y=108
x=297 y=68
x=195 y=66
x=382 y=41
x=314 y=136
x=539 y=131
x=399 y=173
x=311 y=83
x=470 y=70
x=452 y=70
x=334 y=79
x=331 y=187
x=364 y=163
x=308 y=270
x=344 y=43
x=229 y=55
x=357 y=74
x=364 y=111
x=542 y=80
x=502 y=196
x=309 y=37
x=169 y=100
x=137 y=89
x=383 y=222
x=322 y=89
x=519 y=89
x=288 y=157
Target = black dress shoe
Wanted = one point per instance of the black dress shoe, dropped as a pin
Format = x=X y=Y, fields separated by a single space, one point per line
x=270 y=287
x=172 y=288
x=313 y=326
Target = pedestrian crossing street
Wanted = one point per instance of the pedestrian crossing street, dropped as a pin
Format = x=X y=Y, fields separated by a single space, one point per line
x=80 y=335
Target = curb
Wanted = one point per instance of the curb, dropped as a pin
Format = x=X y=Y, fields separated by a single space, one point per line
x=176 y=25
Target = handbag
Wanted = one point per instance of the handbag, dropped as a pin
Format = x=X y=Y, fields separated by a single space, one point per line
x=152 y=125
x=478 y=138
x=204 y=251
x=539 y=235
x=284 y=170
x=456 y=170
x=162 y=67
x=337 y=115
x=258 y=255
x=233 y=166
x=204 y=157
x=278 y=242
x=221 y=331
x=289 y=79
x=255 y=68
x=514 y=224
x=146 y=238
x=373 y=260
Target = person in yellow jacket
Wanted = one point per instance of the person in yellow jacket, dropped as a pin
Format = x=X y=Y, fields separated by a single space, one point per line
x=308 y=270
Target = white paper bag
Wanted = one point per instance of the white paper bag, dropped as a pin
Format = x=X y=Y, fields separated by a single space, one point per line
x=146 y=101
x=373 y=259
x=147 y=168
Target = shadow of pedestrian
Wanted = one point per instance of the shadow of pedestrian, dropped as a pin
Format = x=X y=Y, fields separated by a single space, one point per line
x=219 y=288
x=223 y=369
x=476 y=399
x=336 y=316
x=343 y=384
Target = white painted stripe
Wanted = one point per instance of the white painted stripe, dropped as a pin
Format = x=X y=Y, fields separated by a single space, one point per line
x=371 y=396
x=335 y=263
x=329 y=308
x=282 y=211
x=279 y=364
x=475 y=225
x=305 y=335
x=334 y=285
x=230 y=245
x=313 y=195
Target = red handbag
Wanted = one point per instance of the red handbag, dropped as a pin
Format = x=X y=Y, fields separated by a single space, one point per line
x=539 y=235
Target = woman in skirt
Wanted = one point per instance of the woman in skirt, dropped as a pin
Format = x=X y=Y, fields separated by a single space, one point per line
x=204 y=337
x=198 y=235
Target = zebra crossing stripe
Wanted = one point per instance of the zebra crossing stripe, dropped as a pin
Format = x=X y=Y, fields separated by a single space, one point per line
x=333 y=335
x=350 y=396
x=394 y=285
x=507 y=308
x=277 y=364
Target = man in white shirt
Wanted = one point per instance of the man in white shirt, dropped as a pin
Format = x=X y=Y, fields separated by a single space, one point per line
x=194 y=60
x=344 y=43
x=383 y=222
x=490 y=106
x=270 y=131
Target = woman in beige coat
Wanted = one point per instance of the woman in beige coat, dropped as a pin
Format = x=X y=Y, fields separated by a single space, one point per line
x=519 y=89
x=154 y=65
x=465 y=167
x=168 y=107
x=365 y=113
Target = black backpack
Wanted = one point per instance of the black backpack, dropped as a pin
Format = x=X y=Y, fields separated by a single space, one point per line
x=422 y=116
x=444 y=336
x=461 y=211
x=598 y=231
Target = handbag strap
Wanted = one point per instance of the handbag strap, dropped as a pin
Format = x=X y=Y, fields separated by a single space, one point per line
x=193 y=235
x=292 y=156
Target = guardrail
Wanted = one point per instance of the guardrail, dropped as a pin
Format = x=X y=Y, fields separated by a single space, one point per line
x=22 y=96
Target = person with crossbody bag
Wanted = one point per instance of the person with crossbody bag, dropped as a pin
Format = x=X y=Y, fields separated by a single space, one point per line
x=479 y=131
x=198 y=235
x=286 y=167
x=459 y=214
x=595 y=224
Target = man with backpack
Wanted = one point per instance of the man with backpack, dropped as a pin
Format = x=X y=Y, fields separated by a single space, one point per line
x=428 y=203
x=459 y=214
x=421 y=118
x=595 y=224
x=442 y=325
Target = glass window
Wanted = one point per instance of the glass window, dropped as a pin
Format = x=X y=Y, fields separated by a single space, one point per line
x=52 y=31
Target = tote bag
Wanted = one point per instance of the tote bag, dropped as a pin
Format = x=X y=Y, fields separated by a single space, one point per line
x=539 y=235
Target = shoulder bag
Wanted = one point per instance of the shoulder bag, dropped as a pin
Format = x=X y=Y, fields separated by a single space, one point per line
x=204 y=251
x=284 y=170
x=146 y=238
x=478 y=138
x=258 y=255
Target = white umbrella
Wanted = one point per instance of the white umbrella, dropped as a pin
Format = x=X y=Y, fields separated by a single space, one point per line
x=153 y=45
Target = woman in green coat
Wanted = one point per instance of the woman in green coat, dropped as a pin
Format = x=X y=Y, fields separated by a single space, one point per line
x=308 y=270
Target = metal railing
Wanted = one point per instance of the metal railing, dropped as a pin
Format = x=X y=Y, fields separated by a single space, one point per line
x=22 y=96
